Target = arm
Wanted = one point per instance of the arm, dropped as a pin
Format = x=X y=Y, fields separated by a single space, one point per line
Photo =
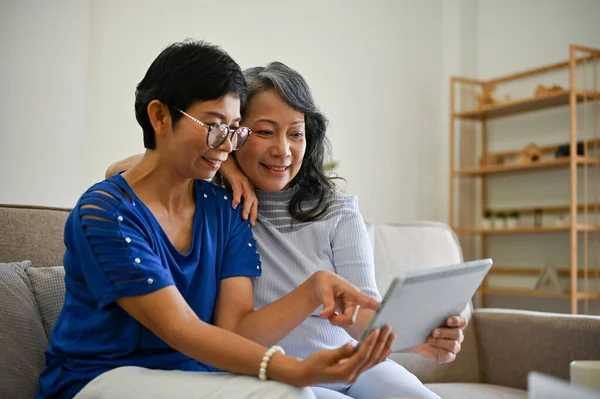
x=353 y=259
x=241 y=187
x=268 y=325
x=122 y=165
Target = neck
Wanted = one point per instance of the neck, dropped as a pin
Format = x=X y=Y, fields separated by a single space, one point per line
x=154 y=182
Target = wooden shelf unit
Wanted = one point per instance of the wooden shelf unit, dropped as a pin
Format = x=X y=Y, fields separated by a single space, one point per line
x=577 y=233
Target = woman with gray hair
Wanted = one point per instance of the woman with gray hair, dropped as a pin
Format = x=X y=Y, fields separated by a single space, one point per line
x=305 y=225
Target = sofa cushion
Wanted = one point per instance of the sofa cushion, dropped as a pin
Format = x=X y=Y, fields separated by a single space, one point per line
x=22 y=336
x=34 y=233
x=476 y=391
x=48 y=285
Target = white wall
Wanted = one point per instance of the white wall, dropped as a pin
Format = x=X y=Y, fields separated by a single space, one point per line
x=378 y=88
x=70 y=70
x=43 y=73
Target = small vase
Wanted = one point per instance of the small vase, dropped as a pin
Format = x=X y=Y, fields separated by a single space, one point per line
x=499 y=223
x=512 y=223
x=486 y=223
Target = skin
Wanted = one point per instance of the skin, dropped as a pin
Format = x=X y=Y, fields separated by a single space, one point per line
x=163 y=179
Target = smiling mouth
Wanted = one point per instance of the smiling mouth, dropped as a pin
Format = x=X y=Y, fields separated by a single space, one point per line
x=215 y=162
x=276 y=168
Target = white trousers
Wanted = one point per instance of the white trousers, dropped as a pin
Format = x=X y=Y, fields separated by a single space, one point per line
x=136 y=382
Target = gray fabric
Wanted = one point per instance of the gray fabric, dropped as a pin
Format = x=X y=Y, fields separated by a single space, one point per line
x=291 y=252
x=34 y=233
x=22 y=337
x=48 y=285
x=476 y=391
x=513 y=343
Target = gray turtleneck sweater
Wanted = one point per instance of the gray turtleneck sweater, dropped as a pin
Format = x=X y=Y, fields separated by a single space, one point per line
x=291 y=252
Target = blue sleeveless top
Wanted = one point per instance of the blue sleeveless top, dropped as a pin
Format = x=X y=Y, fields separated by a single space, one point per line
x=116 y=248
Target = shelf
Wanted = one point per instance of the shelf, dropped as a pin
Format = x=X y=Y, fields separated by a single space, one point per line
x=545 y=209
x=533 y=271
x=527 y=230
x=526 y=105
x=544 y=164
x=535 y=293
x=591 y=143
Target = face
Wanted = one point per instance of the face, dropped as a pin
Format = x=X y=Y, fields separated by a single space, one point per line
x=184 y=145
x=273 y=154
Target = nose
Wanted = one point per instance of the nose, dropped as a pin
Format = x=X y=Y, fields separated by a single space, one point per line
x=227 y=145
x=281 y=147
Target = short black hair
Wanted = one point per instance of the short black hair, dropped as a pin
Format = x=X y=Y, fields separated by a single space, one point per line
x=182 y=74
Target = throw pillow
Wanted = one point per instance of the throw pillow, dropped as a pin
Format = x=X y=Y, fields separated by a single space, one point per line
x=23 y=340
x=48 y=285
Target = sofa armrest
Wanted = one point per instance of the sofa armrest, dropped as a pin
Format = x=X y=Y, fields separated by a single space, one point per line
x=513 y=343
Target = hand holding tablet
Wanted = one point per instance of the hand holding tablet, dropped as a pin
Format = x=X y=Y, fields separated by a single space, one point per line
x=423 y=300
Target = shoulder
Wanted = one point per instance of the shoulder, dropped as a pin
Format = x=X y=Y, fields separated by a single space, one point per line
x=110 y=200
x=217 y=200
x=340 y=202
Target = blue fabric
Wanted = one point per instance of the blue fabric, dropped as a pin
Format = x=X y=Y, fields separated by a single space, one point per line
x=116 y=248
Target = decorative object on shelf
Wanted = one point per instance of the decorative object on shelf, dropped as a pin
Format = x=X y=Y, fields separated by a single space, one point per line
x=565 y=150
x=500 y=220
x=542 y=91
x=537 y=217
x=488 y=219
x=513 y=220
x=562 y=220
x=491 y=159
x=549 y=280
x=531 y=153
x=486 y=95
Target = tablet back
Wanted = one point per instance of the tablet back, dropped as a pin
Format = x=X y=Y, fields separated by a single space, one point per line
x=422 y=300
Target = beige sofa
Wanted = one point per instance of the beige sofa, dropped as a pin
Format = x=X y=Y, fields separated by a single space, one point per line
x=500 y=349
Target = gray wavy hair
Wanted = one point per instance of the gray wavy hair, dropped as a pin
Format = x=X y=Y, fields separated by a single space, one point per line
x=313 y=183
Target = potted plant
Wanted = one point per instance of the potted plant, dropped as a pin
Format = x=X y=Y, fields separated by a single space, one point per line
x=488 y=219
x=513 y=220
x=500 y=220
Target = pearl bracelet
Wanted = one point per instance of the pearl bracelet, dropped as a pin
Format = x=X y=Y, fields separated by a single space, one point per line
x=262 y=372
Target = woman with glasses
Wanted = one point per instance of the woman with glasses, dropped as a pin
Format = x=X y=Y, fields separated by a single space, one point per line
x=159 y=266
x=304 y=225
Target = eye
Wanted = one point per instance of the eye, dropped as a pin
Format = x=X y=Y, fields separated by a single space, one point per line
x=297 y=135
x=264 y=133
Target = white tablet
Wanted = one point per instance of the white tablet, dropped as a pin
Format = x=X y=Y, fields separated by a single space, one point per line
x=422 y=300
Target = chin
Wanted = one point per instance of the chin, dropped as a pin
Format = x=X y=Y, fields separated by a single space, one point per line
x=272 y=186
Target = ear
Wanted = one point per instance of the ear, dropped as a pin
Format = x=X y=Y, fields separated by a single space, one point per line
x=160 y=117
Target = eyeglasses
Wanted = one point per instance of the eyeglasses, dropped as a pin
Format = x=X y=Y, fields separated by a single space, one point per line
x=218 y=133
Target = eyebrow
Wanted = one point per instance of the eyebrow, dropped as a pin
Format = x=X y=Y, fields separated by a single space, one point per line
x=272 y=122
x=220 y=116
